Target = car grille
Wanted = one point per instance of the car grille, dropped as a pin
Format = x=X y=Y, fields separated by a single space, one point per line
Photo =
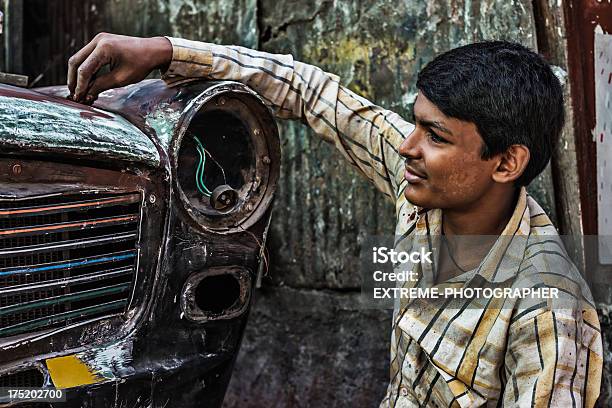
x=23 y=379
x=66 y=258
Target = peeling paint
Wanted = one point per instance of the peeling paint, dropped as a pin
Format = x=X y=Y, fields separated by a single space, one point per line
x=92 y=366
x=163 y=120
x=602 y=136
x=110 y=362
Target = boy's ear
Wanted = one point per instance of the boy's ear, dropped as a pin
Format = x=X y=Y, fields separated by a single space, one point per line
x=512 y=164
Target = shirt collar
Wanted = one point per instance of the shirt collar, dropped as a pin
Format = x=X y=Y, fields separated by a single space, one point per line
x=503 y=259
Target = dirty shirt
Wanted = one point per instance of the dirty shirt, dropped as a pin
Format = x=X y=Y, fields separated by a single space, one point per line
x=450 y=353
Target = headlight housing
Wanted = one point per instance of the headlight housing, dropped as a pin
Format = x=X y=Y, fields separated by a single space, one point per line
x=220 y=155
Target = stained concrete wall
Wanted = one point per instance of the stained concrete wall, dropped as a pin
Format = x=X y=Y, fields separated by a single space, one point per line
x=309 y=341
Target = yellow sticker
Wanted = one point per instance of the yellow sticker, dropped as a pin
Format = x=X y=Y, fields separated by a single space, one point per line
x=70 y=371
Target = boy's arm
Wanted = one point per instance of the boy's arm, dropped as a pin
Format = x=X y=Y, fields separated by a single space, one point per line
x=554 y=359
x=367 y=135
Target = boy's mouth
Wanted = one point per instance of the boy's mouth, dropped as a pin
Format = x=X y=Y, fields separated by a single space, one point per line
x=413 y=175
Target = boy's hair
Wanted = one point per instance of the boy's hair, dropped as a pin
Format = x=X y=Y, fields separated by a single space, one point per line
x=508 y=91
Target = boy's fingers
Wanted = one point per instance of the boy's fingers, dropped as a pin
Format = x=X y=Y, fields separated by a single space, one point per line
x=75 y=62
x=101 y=84
x=86 y=71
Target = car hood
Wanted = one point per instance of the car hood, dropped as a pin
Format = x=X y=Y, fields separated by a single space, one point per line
x=35 y=123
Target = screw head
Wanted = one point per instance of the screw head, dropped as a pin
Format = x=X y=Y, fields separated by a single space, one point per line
x=222 y=101
x=266 y=160
x=249 y=207
x=152 y=198
x=17 y=169
x=256 y=132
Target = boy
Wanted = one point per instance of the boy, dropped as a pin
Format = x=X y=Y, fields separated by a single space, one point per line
x=486 y=117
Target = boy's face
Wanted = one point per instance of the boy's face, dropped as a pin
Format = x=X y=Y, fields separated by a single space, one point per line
x=444 y=168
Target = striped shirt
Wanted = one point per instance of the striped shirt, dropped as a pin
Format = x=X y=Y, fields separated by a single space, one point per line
x=455 y=352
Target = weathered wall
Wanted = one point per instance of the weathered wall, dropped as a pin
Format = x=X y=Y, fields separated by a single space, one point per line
x=309 y=342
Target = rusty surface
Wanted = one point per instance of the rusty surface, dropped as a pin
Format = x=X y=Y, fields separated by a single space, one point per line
x=152 y=354
x=582 y=17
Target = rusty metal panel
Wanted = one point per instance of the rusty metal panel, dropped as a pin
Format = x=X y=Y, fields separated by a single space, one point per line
x=602 y=133
x=584 y=19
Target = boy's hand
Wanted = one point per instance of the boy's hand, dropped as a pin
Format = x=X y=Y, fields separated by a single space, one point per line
x=130 y=60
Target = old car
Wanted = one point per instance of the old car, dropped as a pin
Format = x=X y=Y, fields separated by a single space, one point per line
x=132 y=234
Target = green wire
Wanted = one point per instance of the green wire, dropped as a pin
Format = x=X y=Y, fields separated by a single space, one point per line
x=203 y=154
x=197 y=176
x=200 y=170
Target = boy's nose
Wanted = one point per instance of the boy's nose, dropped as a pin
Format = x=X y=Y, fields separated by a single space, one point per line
x=410 y=147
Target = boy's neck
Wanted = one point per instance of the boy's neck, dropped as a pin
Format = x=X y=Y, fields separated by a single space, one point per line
x=487 y=216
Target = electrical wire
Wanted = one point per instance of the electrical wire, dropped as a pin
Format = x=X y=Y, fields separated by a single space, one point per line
x=199 y=176
x=218 y=165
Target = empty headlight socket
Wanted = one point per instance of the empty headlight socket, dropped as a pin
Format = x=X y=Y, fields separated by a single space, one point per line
x=217 y=293
x=239 y=136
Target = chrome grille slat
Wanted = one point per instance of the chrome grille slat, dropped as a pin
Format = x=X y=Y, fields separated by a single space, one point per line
x=87 y=312
x=69 y=226
x=65 y=245
x=72 y=264
x=86 y=294
x=64 y=282
x=76 y=206
x=66 y=258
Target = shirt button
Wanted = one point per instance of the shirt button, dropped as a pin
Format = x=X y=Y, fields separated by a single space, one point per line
x=403 y=391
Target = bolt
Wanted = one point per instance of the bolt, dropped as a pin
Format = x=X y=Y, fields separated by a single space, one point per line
x=152 y=198
x=249 y=207
x=222 y=101
x=17 y=169
x=266 y=160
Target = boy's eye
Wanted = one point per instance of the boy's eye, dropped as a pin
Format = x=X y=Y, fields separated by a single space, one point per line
x=435 y=138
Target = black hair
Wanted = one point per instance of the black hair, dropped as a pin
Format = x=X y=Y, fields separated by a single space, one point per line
x=508 y=91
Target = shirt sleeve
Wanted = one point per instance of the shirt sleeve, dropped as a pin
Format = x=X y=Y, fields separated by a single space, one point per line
x=367 y=135
x=554 y=359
